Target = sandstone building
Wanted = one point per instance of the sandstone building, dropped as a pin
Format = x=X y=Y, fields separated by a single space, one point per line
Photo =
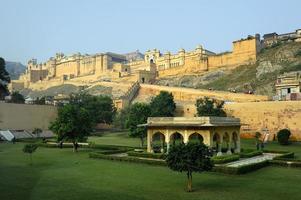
x=144 y=69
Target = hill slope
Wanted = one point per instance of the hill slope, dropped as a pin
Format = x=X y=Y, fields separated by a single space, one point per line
x=15 y=69
x=259 y=77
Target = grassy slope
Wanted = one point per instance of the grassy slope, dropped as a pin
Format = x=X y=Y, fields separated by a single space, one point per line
x=246 y=74
x=61 y=174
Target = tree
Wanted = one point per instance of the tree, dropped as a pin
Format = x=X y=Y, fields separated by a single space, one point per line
x=189 y=158
x=16 y=97
x=30 y=148
x=258 y=140
x=138 y=114
x=163 y=105
x=121 y=118
x=37 y=132
x=73 y=123
x=40 y=101
x=210 y=107
x=101 y=108
x=283 y=136
x=4 y=79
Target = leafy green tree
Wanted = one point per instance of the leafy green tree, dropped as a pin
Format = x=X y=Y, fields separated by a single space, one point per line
x=138 y=114
x=258 y=140
x=4 y=79
x=16 y=97
x=189 y=158
x=210 y=107
x=121 y=118
x=40 y=101
x=30 y=149
x=163 y=105
x=283 y=136
x=73 y=123
x=37 y=132
x=101 y=108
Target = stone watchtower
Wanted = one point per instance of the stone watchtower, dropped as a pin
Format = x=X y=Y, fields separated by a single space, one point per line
x=151 y=56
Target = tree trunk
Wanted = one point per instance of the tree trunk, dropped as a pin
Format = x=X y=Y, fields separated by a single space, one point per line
x=30 y=159
x=142 y=141
x=75 y=146
x=189 y=183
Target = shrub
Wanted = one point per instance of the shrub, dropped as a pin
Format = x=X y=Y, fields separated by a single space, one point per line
x=283 y=136
x=224 y=159
x=250 y=153
x=147 y=155
x=241 y=169
x=126 y=159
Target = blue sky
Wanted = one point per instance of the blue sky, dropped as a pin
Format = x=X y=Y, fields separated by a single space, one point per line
x=40 y=28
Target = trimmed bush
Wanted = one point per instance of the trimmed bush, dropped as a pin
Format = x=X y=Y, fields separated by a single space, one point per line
x=147 y=155
x=110 y=147
x=113 y=151
x=282 y=163
x=224 y=159
x=241 y=169
x=126 y=159
x=249 y=154
x=283 y=136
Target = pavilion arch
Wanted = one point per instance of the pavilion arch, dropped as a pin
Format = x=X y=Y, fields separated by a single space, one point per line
x=176 y=138
x=235 y=140
x=216 y=139
x=158 y=142
x=196 y=138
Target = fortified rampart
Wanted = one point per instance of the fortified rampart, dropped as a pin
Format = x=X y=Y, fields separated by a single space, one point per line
x=26 y=117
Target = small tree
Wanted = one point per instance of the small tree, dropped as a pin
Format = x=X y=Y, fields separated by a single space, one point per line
x=121 y=118
x=16 y=97
x=37 y=132
x=258 y=140
x=283 y=136
x=72 y=123
x=189 y=158
x=30 y=148
x=4 y=79
x=210 y=107
x=138 y=114
x=163 y=105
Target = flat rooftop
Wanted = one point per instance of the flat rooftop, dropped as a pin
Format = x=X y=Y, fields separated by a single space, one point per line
x=191 y=121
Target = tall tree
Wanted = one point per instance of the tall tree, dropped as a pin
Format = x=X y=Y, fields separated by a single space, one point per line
x=16 y=97
x=163 y=105
x=210 y=107
x=138 y=114
x=73 y=123
x=101 y=108
x=4 y=79
x=189 y=158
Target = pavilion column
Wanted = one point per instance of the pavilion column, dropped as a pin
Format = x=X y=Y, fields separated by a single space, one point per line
x=229 y=147
x=220 y=144
x=162 y=143
x=167 y=140
x=149 y=142
x=185 y=137
x=237 y=149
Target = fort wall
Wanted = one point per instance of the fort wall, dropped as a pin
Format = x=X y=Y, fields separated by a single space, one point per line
x=26 y=117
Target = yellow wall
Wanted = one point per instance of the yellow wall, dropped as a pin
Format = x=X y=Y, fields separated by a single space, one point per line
x=26 y=117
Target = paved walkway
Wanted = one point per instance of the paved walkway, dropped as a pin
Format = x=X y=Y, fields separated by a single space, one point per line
x=256 y=159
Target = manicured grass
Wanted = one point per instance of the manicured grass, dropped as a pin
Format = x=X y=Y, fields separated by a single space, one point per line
x=122 y=138
x=61 y=174
x=115 y=138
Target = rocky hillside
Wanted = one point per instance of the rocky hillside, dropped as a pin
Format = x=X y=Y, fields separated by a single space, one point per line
x=15 y=69
x=259 y=77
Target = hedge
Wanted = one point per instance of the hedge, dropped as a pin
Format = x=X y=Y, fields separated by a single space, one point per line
x=109 y=147
x=286 y=163
x=284 y=154
x=55 y=145
x=249 y=154
x=241 y=169
x=113 y=151
x=224 y=159
x=126 y=159
x=147 y=155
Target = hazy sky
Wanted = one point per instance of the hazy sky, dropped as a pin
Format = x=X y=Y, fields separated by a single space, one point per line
x=40 y=28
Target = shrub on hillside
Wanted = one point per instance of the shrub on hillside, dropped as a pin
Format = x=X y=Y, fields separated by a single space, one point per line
x=283 y=136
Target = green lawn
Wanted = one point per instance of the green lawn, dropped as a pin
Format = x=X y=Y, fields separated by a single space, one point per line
x=61 y=174
x=121 y=138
